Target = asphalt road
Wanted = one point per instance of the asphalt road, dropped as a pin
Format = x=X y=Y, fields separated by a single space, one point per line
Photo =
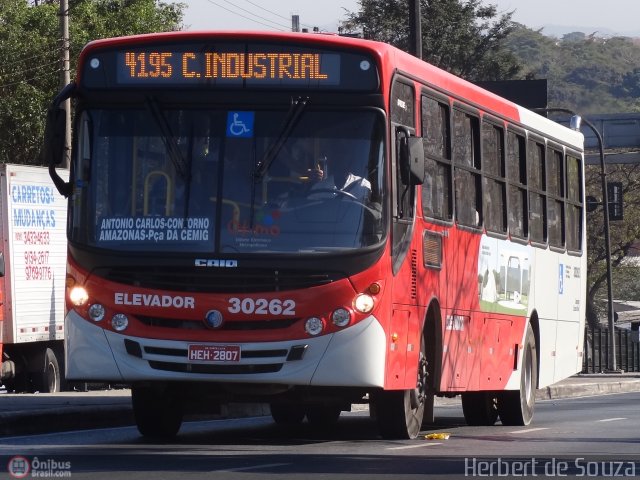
x=582 y=437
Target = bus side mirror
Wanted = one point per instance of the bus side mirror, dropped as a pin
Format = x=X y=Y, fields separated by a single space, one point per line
x=411 y=160
x=54 y=136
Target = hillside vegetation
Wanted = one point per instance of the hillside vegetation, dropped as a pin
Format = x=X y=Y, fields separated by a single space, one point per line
x=586 y=73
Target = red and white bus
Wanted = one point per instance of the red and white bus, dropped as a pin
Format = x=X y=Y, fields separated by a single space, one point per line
x=314 y=221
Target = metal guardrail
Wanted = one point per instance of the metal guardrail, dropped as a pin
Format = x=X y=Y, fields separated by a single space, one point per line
x=597 y=345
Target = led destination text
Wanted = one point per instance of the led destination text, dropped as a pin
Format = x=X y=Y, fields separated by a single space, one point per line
x=216 y=65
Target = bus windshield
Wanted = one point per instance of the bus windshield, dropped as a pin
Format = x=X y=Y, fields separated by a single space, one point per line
x=229 y=181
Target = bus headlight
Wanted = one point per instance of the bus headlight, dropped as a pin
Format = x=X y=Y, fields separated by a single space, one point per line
x=341 y=317
x=119 y=322
x=78 y=296
x=96 y=312
x=313 y=326
x=363 y=303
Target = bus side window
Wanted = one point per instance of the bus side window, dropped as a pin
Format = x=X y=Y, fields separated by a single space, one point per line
x=436 y=138
x=574 y=203
x=555 y=198
x=495 y=194
x=537 y=187
x=517 y=174
x=467 y=176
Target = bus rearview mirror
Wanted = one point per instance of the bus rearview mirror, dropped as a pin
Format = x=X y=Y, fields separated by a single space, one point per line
x=411 y=160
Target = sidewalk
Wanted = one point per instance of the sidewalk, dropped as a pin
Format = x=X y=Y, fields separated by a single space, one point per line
x=24 y=414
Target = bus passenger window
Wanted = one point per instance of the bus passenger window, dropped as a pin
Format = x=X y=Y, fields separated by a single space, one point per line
x=466 y=156
x=537 y=197
x=574 y=203
x=493 y=181
x=436 y=135
x=517 y=175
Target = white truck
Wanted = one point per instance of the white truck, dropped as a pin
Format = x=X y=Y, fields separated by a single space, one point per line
x=33 y=252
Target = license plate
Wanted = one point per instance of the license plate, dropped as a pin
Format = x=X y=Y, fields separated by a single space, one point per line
x=214 y=353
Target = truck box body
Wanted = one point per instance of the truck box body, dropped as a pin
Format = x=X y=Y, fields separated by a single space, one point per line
x=34 y=249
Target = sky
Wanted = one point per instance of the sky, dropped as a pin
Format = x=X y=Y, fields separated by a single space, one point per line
x=619 y=16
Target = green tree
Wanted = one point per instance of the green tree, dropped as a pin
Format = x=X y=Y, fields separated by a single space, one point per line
x=30 y=40
x=585 y=73
x=623 y=236
x=463 y=37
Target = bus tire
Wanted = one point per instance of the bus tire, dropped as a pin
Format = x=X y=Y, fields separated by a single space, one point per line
x=479 y=408
x=323 y=416
x=287 y=414
x=516 y=407
x=158 y=411
x=399 y=413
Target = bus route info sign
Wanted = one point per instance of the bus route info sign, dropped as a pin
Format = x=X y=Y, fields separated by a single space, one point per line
x=153 y=229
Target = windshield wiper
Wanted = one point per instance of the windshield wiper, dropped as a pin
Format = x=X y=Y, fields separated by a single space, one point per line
x=179 y=162
x=290 y=121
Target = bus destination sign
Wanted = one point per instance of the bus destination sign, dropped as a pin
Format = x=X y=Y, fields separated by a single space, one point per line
x=230 y=66
x=188 y=66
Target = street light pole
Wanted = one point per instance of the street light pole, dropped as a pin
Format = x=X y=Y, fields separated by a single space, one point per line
x=65 y=77
x=607 y=237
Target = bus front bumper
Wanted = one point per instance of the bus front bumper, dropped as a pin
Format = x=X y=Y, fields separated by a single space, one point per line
x=353 y=357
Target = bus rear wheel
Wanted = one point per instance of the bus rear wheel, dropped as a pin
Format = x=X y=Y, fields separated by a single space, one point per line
x=399 y=413
x=157 y=410
x=516 y=407
x=479 y=408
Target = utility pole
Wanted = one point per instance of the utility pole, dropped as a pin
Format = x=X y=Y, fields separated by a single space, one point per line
x=415 y=28
x=65 y=77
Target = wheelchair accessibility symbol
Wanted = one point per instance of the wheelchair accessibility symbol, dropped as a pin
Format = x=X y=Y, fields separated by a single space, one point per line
x=240 y=124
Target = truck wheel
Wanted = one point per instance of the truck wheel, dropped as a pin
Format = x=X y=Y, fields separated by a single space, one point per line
x=400 y=413
x=158 y=411
x=516 y=407
x=479 y=408
x=48 y=378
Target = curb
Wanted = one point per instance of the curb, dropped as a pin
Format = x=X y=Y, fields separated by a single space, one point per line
x=586 y=389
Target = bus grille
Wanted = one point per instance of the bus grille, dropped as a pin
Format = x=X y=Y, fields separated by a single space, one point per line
x=215 y=369
x=242 y=325
x=211 y=280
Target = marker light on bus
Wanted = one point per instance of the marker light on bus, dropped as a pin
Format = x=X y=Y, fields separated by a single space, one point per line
x=341 y=317
x=119 y=322
x=363 y=303
x=313 y=326
x=96 y=312
x=78 y=296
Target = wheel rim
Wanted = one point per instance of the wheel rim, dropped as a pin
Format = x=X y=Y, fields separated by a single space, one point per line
x=418 y=394
x=527 y=377
x=51 y=375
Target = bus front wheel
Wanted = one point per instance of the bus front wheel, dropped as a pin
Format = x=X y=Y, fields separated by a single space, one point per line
x=157 y=410
x=400 y=412
x=516 y=407
x=287 y=414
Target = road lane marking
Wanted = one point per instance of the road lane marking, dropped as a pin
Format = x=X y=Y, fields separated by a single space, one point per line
x=414 y=446
x=612 y=419
x=530 y=430
x=252 y=467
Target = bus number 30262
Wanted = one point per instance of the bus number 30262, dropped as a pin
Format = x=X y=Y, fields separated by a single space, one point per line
x=262 y=306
